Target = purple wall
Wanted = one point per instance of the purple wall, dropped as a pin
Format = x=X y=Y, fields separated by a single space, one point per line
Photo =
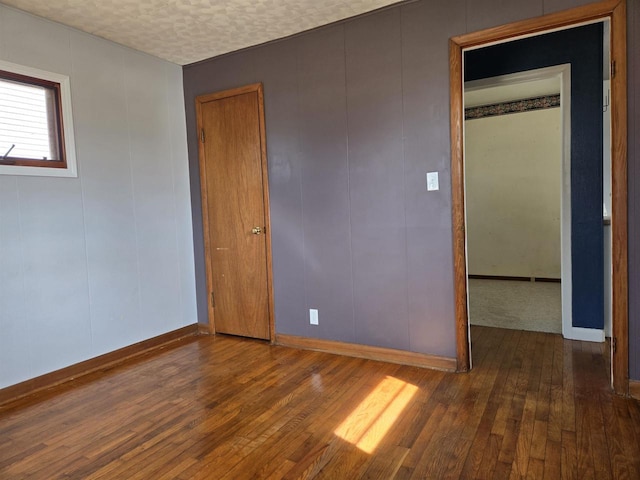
x=356 y=114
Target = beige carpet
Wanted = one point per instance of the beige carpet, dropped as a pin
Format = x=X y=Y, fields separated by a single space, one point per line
x=535 y=306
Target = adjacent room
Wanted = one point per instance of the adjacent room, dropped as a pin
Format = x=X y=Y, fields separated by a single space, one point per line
x=302 y=240
x=513 y=142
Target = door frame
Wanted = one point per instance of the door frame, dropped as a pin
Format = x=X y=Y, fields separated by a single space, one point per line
x=200 y=100
x=615 y=11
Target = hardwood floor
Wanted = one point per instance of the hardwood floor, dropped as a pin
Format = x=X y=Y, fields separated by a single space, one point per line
x=534 y=406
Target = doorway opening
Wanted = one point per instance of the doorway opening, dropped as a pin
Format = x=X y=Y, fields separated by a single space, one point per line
x=615 y=12
x=518 y=200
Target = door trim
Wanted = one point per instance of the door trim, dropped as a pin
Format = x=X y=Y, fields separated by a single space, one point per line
x=200 y=100
x=615 y=10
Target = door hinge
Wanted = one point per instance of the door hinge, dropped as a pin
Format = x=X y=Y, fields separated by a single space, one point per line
x=613 y=69
x=614 y=345
x=213 y=300
x=202 y=135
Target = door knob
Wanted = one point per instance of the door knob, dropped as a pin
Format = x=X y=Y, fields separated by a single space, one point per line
x=256 y=230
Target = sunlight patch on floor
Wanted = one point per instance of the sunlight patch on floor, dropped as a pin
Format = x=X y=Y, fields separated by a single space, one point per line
x=368 y=424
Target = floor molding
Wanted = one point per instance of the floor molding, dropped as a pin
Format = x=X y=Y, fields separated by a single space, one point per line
x=369 y=352
x=204 y=329
x=516 y=279
x=48 y=380
x=634 y=389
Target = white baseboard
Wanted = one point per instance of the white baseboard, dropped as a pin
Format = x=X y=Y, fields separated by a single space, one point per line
x=584 y=334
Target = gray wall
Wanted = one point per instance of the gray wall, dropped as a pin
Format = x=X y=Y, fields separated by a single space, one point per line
x=98 y=262
x=357 y=113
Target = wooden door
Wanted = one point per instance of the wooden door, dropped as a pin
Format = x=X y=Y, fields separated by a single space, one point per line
x=235 y=210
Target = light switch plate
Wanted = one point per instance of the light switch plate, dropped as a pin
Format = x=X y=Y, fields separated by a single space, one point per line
x=432 y=181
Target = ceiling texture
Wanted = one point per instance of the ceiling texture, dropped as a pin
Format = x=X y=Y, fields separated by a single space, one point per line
x=186 y=31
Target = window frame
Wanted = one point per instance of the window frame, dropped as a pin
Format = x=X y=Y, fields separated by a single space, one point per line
x=60 y=84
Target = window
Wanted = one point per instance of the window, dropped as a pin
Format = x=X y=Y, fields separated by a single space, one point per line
x=36 y=135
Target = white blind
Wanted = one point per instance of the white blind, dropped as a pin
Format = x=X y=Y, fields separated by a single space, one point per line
x=24 y=121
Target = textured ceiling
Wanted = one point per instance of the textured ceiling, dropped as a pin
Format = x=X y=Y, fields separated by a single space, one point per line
x=185 y=31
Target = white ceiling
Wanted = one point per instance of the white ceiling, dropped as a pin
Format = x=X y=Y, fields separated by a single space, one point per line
x=186 y=31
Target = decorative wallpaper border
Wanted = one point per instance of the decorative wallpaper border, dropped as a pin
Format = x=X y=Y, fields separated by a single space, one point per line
x=526 y=105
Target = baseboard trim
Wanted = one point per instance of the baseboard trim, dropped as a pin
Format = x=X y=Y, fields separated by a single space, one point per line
x=204 y=329
x=584 y=334
x=369 y=352
x=634 y=389
x=516 y=279
x=52 y=379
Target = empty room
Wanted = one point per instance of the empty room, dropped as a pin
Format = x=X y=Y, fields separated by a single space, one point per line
x=258 y=239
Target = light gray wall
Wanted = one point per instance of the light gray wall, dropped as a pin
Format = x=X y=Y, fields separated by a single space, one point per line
x=98 y=262
x=356 y=114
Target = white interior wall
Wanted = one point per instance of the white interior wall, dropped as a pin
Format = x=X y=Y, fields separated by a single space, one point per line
x=513 y=187
x=95 y=263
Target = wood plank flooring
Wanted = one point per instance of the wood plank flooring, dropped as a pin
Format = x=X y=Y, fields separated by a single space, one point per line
x=534 y=406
